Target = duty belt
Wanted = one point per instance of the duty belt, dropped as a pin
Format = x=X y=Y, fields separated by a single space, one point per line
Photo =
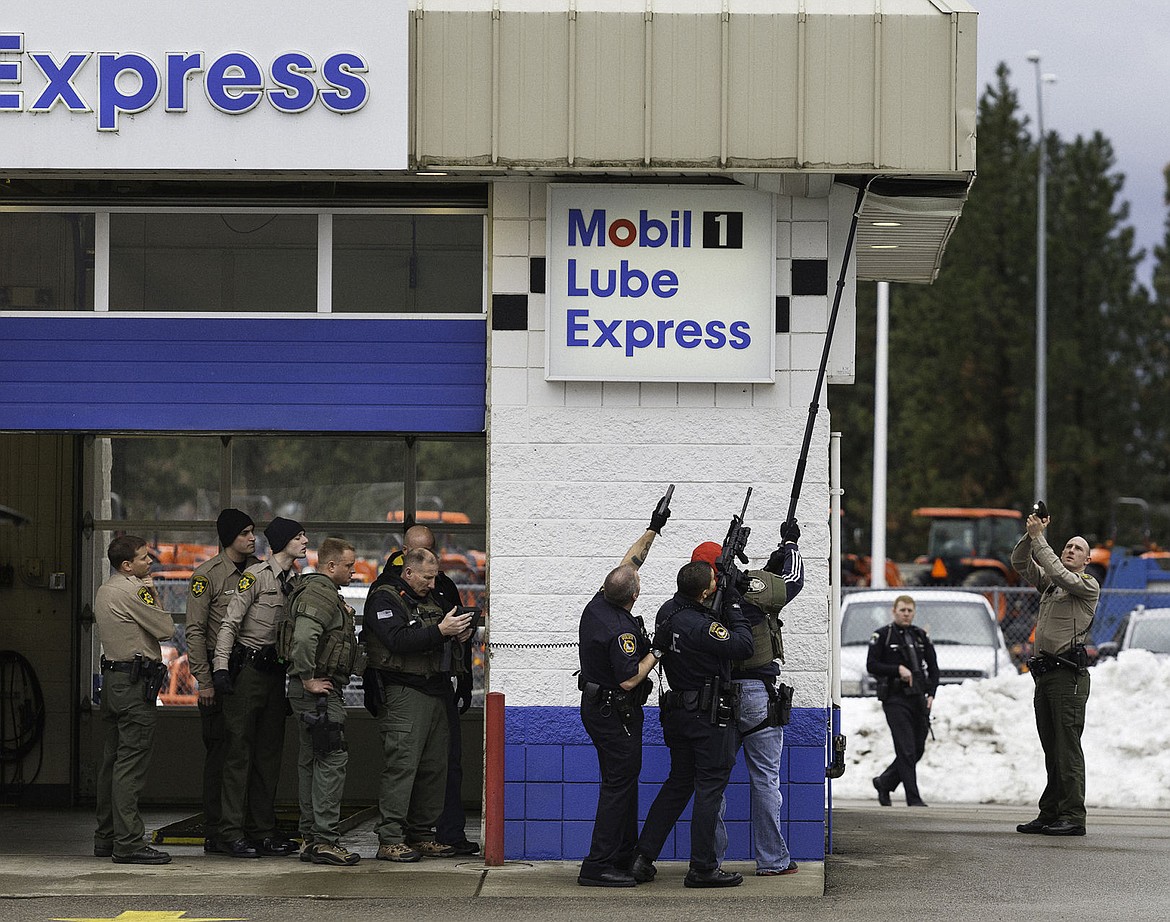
x=673 y=700
x=263 y=659
x=126 y=666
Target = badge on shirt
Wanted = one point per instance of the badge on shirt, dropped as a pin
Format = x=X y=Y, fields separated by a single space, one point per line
x=198 y=586
x=718 y=631
x=246 y=582
x=146 y=595
x=629 y=644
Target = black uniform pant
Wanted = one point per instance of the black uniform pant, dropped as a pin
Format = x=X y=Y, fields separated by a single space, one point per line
x=451 y=828
x=701 y=759
x=619 y=756
x=909 y=723
x=1061 y=697
x=214 y=750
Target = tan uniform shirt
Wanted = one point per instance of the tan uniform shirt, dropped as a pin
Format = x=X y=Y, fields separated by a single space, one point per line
x=253 y=612
x=212 y=587
x=129 y=619
x=1067 y=600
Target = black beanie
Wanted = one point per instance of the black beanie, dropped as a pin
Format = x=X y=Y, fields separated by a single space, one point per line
x=230 y=524
x=280 y=532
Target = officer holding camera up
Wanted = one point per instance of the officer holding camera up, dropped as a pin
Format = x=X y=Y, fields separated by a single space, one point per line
x=615 y=661
x=698 y=717
x=1068 y=601
x=902 y=659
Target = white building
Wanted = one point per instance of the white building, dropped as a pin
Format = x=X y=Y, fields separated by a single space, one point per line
x=532 y=259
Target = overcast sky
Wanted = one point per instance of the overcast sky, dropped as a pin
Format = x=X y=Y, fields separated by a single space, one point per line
x=1111 y=59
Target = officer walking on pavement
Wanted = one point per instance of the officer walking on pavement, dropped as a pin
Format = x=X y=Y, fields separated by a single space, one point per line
x=698 y=722
x=616 y=658
x=1068 y=602
x=213 y=584
x=131 y=623
x=250 y=677
x=318 y=642
x=413 y=647
x=902 y=659
x=764 y=702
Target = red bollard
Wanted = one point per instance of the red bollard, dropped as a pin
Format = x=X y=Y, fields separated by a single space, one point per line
x=493 y=780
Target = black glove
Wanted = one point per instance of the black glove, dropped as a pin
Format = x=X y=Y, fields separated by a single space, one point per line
x=463 y=693
x=775 y=563
x=743 y=583
x=789 y=532
x=222 y=679
x=659 y=516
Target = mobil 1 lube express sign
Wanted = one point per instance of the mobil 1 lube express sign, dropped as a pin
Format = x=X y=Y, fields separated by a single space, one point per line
x=660 y=283
x=203 y=85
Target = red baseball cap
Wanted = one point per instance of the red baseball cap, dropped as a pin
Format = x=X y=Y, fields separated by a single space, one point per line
x=708 y=552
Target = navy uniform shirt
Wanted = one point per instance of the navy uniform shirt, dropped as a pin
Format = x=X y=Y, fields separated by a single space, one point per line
x=612 y=643
x=889 y=649
x=698 y=646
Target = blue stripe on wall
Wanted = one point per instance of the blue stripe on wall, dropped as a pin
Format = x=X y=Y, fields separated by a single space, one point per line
x=551 y=779
x=320 y=374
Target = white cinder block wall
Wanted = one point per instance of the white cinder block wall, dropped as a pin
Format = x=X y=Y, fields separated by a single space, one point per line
x=575 y=468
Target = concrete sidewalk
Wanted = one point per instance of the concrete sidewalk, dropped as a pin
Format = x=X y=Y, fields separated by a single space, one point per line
x=49 y=854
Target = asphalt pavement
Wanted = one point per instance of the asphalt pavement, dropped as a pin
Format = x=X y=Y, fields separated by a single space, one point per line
x=953 y=863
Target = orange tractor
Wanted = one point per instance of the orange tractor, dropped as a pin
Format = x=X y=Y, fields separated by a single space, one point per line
x=969 y=547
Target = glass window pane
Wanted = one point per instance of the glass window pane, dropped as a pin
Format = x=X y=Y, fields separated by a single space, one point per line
x=408 y=263
x=46 y=262
x=164 y=477
x=213 y=262
x=452 y=480
x=318 y=478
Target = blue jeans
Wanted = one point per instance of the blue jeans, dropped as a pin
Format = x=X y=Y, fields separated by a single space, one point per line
x=761 y=753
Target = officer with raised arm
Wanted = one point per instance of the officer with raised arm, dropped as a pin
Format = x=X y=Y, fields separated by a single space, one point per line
x=616 y=658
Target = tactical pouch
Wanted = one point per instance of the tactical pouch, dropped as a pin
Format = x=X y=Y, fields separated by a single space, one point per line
x=782 y=704
x=374 y=690
x=357 y=665
x=284 y=639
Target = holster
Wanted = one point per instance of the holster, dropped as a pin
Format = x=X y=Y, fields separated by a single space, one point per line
x=326 y=734
x=374 y=690
x=154 y=677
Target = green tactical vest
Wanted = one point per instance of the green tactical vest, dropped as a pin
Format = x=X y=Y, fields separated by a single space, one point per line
x=425 y=662
x=338 y=652
x=768 y=593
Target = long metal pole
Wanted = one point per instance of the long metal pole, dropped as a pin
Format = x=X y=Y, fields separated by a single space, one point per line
x=1041 y=293
x=881 y=384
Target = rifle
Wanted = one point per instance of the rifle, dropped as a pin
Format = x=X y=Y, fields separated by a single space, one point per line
x=734 y=544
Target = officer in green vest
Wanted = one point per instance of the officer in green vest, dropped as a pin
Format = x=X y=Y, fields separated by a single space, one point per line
x=318 y=643
x=414 y=647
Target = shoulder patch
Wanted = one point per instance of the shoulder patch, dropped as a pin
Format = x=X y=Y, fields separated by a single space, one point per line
x=198 y=585
x=146 y=595
x=246 y=582
x=873 y=638
x=629 y=644
x=718 y=631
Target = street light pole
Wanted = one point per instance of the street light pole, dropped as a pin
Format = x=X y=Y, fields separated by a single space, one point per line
x=1041 y=480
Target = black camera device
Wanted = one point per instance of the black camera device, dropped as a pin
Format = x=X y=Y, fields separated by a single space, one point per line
x=1039 y=509
x=476 y=616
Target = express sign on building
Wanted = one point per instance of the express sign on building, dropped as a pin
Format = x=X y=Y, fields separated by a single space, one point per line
x=660 y=283
x=204 y=84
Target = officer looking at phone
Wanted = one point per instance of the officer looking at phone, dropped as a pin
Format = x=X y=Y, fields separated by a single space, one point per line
x=1068 y=601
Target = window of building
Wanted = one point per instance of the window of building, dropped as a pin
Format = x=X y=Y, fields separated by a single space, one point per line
x=170 y=489
x=46 y=261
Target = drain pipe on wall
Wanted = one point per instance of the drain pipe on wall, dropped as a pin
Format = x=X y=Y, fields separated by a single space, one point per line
x=836 y=754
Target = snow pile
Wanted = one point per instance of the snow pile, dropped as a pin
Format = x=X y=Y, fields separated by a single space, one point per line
x=986 y=750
